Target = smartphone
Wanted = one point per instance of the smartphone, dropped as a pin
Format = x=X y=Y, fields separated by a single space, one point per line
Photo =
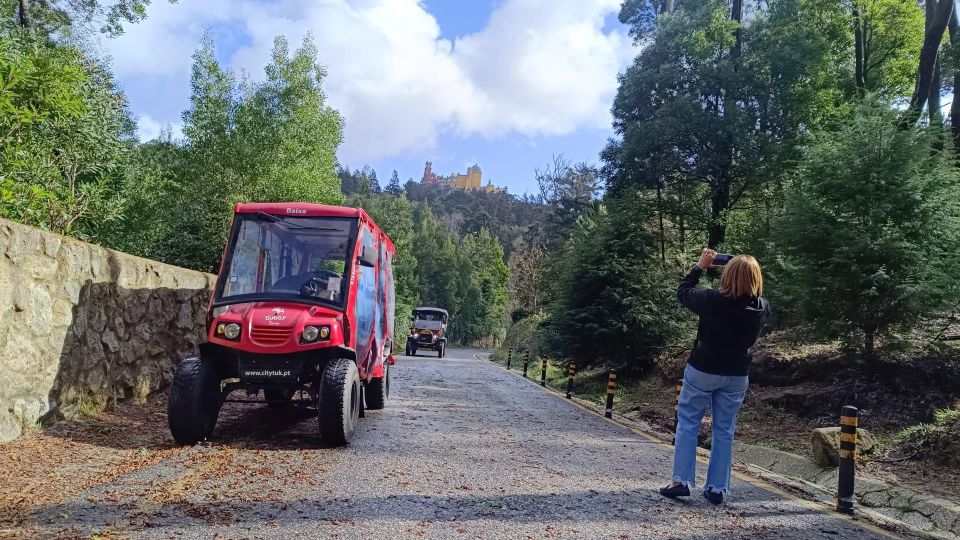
x=722 y=259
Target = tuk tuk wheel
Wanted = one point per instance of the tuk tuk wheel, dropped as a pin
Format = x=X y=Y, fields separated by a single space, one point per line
x=195 y=401
x=378 y=390
x=338 y=407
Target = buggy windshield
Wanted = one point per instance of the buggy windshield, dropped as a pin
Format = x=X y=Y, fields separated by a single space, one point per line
x=287 y=258
x=429 y=319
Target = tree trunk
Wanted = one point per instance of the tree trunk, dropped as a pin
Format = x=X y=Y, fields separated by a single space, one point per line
x=668 y=6
x=25 y=20
x=938 y=16
x=663 y=248
x=861 y=80
x=955 y=105
x=736 y=15
x=933 y=100
x=719 y=201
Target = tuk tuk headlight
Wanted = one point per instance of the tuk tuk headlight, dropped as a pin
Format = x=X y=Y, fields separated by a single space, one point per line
x=312 y=333
x=232 y=331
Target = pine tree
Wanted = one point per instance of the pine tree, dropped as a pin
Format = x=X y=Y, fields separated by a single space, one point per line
x=870 y=229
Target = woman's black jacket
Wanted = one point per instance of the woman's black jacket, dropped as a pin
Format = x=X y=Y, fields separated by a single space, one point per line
x=728 y=326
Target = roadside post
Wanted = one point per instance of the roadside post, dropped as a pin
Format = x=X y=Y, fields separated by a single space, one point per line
x=611 y=389
x=526 y=363
x=849 y=420
x=543 y=371
x=509 y=357
x=676 y=409
x=571 y=371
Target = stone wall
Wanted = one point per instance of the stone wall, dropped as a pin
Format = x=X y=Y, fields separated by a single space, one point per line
x=82 y=326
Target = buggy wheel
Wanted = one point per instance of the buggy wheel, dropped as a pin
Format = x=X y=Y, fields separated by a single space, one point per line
x=194 y=402
x=277 y=397
x=338 y=408
x=378 y=390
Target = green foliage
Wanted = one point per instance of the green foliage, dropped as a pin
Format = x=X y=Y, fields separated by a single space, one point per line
x=870 y=228
x=937 y=440
x=269 y=141
x=614 y=302
x=484 y=301
x=893 y=34
x=69 y=18
x=65 y=134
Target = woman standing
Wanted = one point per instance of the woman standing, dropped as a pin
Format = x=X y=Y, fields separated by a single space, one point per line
x=716 y=374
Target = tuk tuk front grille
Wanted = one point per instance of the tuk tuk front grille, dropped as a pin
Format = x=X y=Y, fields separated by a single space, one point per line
x=270 y=336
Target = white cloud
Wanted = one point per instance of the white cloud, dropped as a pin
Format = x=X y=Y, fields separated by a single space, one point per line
x=149 y=129
x=540 y=67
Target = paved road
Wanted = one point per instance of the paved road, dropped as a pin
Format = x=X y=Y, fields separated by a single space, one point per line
x=463 y=450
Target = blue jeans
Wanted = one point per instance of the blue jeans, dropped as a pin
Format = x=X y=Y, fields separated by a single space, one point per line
x=724 y=395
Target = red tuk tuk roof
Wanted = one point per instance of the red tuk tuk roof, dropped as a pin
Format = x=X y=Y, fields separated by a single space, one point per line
x=301 y=209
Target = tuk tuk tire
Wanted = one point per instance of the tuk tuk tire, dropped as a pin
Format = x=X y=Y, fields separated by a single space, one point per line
x=194 y=402
x=338 y=409
x=277 y=397
x=378 y=390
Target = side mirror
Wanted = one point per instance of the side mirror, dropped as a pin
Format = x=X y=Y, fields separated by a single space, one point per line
x=368 y=256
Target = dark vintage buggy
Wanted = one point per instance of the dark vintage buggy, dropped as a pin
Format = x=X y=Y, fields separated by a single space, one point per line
x=428 y=331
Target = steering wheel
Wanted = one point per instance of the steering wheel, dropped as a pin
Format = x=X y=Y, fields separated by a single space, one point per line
x=316 y=286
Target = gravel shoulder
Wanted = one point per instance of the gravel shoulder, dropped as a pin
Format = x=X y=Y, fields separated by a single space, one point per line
x=463 y=450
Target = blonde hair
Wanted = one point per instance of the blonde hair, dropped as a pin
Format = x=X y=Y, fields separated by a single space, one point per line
x=741 y=277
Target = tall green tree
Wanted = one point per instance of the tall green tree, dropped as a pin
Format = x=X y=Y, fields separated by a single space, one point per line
x=270 y=141
x=71 y=17
x=870 y=229
x=613 y=301
x=713 y=106
x=65 y=135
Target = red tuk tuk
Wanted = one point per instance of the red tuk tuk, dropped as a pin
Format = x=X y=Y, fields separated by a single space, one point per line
x=304 y=302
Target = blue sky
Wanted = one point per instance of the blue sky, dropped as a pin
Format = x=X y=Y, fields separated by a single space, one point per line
x=505 y=84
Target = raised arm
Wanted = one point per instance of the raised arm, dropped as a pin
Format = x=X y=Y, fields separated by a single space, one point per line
x=689 y=295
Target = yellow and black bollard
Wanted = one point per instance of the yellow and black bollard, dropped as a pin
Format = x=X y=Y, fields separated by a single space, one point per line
x=676 y=409
x=571 y=371
x=509 y=357
x=611 y=388
x=848 y=459
x=543 y=371
x=526 y=363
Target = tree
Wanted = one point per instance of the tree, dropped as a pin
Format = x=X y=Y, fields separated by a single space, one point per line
x=870 y=229
x=566 y=189
x=938 y=14
x=68 y=17
x=482 y=310
x=269 y=141
x=712 y=108
x=529 y=283
x=394 y=188
x=65 y=133
x=887 y=39
x=613 y=302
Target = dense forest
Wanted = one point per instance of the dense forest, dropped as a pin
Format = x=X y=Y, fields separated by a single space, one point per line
x=819 y=135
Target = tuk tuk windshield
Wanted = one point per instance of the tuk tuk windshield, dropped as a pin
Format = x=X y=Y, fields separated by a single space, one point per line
x=287 y=258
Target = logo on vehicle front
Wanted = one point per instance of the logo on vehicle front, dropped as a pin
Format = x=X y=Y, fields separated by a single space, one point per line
x=296 y=211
